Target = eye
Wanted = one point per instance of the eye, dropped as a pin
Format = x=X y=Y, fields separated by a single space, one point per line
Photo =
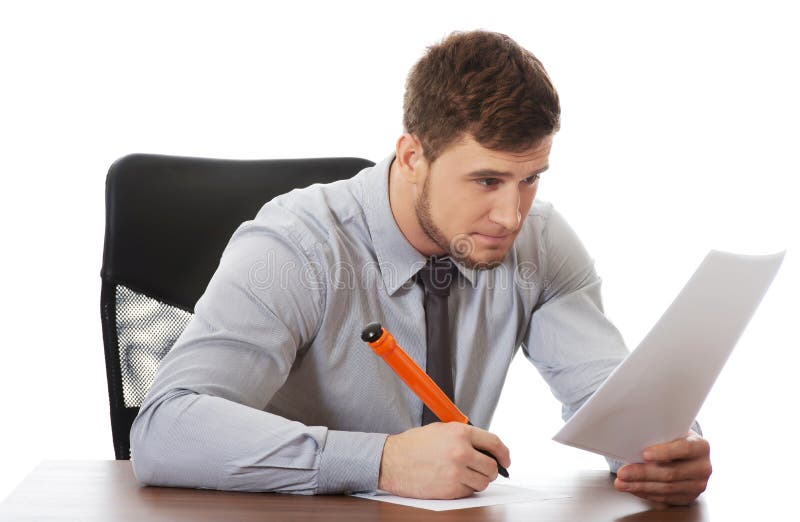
x=531 y=179
x=488 y=182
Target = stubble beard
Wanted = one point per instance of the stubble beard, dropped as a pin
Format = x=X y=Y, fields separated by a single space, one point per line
x=460 y=247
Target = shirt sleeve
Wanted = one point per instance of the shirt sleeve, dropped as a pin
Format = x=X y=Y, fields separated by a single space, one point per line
x=570 y=340
x=203 y=422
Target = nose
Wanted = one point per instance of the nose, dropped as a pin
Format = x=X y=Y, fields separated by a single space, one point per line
x=505 y=211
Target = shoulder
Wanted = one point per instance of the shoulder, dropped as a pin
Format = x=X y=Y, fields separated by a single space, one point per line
x=546 y=225
x=535 y=227
x=546 y=234
x=306 y=218
x=539 y=213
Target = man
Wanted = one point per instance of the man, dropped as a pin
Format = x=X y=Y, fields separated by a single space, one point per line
x=270 y=388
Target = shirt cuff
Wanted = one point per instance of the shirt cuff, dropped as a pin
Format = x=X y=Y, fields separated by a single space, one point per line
x=350 y=462
x=614 y=465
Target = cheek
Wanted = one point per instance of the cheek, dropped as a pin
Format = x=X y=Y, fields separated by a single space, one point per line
x=527 y=200
x=450 y=208
x=448 y=213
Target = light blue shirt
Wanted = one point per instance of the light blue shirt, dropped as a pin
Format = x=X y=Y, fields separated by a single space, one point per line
x=270 y=388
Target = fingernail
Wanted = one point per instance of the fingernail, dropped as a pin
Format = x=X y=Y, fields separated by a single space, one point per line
x=624 y=475
x=648 y=455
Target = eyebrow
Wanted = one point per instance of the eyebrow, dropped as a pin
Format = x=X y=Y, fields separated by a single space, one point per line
x=491 y=173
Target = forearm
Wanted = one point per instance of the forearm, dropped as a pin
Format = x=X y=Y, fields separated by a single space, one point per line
x=186 y=439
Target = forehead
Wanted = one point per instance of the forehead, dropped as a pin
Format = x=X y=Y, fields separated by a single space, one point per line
x=468 y=154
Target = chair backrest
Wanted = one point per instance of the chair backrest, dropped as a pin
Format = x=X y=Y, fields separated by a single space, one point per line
x=168 y=219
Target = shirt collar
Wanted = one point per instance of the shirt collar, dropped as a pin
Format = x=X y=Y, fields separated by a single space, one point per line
x=398 y=260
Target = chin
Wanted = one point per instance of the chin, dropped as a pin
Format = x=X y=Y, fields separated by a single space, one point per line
x=476 y=255
x=481 y=264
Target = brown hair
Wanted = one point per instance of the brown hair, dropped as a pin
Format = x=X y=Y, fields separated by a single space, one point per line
x=484 y=84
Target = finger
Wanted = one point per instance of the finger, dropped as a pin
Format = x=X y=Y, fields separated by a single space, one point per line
x=685 y=448
x=657 y=503
x=461 y=491
x=680 y=500
x=475 y=481
x=490 y=442
x=664 y=501
x=682 y=487
x=666 y=471
x=484 y=465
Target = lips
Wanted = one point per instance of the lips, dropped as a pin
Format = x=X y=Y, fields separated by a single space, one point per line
x=494 y=237
x=495 y=240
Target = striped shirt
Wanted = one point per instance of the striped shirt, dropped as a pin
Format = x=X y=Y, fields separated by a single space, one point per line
x=270 y=388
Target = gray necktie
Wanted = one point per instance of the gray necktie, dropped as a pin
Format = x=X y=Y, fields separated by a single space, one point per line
x=436 y=277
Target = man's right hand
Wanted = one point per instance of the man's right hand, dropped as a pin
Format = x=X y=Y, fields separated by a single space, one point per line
x=439 y=461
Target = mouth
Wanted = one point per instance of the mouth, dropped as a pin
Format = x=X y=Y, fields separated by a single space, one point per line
x=493 y=240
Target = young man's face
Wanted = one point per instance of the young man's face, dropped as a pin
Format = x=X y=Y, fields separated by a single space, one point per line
x=474 y=200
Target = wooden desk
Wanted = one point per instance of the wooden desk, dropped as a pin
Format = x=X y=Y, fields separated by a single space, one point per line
x=89 y=491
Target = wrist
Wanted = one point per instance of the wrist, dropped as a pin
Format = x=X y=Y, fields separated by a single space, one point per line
x=384 y=473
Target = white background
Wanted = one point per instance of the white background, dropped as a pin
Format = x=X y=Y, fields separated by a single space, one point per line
x=679 y=134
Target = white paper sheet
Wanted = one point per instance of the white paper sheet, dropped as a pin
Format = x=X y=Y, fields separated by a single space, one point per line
x=656 y=393
x=493 y=495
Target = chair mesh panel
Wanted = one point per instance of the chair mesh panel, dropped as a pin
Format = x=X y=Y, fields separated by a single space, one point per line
x=146 y=331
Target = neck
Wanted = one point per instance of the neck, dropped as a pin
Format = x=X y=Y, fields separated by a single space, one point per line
x=402 y=198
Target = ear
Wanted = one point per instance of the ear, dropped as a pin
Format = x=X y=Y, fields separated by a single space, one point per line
x=410 y=159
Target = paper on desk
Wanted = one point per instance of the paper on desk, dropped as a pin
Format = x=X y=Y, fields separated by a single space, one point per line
x=657 y=391
x=493 y=495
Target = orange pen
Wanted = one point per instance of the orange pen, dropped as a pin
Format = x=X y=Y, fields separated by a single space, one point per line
x=384 y=344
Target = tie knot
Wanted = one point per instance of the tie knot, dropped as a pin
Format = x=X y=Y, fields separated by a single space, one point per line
x=437 y=276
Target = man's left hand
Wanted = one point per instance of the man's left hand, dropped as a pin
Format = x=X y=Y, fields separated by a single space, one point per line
x=673 y=473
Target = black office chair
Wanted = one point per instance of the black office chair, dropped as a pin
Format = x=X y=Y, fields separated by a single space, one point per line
x=168 y=219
